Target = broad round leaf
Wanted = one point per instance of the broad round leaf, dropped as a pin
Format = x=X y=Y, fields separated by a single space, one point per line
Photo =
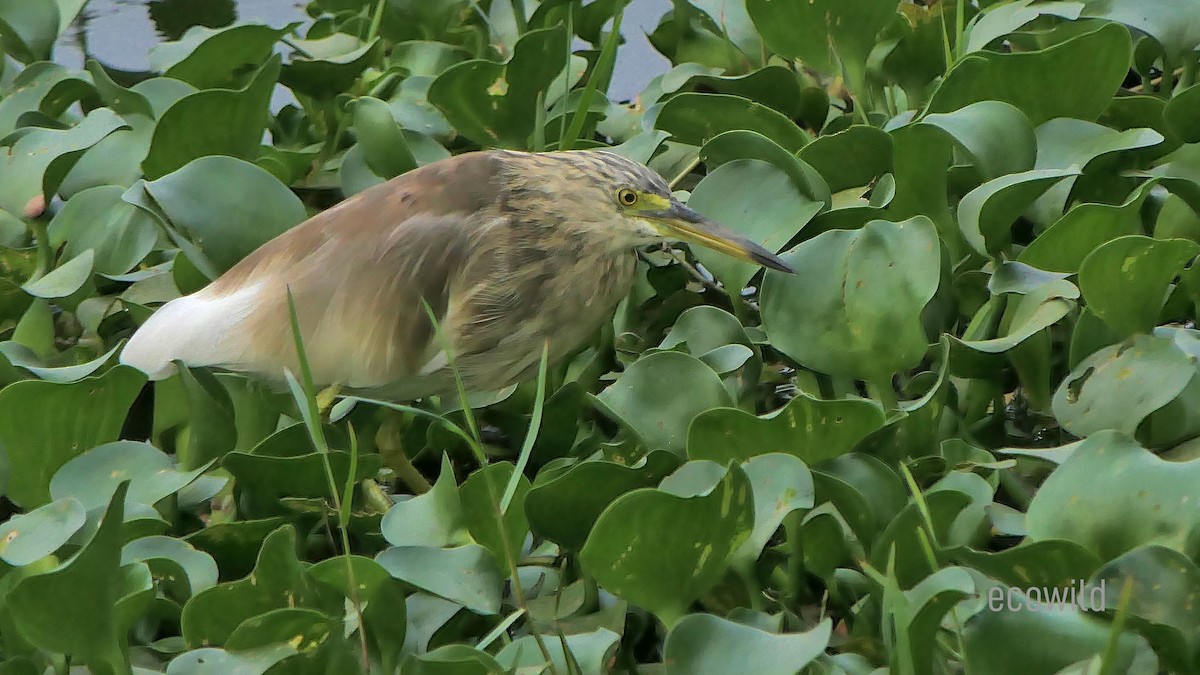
x=853 y=308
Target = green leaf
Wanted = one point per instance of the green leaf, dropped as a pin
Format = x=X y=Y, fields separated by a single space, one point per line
x=226 y=207
x=279 y=580
x=853 y=157
x=1004 y=18
x=213 y=122
x=1137 y=499
x=698 y=118
x=832 y=36
x=564 y=507
x=1180 y=114
x=1125 y=280
x=435 y=518
x=660 y=551
x=591 y=651
x=1161 y=607
x=40 y=159
x=29 y=28
x=210 y=58
x=480 y=505
x=1075 y=78
x=28 y=537
x=1120 y=385
x=703 y=643
x=645 y=397
x=65 y=279
x=494 y=104
x=92 y=476
x=997 y=136
x=1174 y=24
x=987 y=213
x=182 y=569
x=329 y=66
x=1049 y=563
x=45 y=424
x=854 y=306
x=1064 y=245
x=89 y=584
x=467 y=575
x=381 y=138
x=781 y=484
x=811 y=429
x=119 y=234
x=757 y=200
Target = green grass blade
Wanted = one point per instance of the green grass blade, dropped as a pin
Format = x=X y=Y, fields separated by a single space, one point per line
x=535 y=425
x=600 y=78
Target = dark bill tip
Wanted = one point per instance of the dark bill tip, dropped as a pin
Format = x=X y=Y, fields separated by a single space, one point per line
x=770 y=260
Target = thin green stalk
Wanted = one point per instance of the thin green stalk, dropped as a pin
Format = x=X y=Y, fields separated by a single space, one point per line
x=476 y=446
x=518 y=10
x=562 y=119
x=884 y=393
x=685 y=172
x=45 y=254
x=376 y=20
x=601 y=76
x=535 y=425
x=1109 y=664
x=306 y=398
x=539 y=123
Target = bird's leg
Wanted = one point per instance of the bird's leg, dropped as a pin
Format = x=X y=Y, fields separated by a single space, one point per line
x=326 y=398
x=389 y=440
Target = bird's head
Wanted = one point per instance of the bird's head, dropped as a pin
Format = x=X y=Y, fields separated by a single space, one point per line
x=617 y=192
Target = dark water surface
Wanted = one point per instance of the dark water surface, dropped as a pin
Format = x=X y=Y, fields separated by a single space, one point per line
x=120 y=33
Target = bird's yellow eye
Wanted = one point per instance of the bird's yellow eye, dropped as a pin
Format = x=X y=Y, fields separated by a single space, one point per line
x=627 y=197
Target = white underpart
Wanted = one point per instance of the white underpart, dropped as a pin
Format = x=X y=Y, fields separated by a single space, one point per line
x=198 y=329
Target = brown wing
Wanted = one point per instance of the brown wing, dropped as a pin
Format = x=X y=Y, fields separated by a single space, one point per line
x=358 y=273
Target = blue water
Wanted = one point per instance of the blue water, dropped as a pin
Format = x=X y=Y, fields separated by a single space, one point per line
x=120 y=33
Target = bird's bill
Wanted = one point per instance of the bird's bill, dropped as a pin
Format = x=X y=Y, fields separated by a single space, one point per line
x=685 y=224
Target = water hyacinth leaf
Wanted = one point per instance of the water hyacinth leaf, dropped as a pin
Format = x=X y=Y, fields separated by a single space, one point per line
x=226 y=207
x=435 y=518
x=468 y=575
x=852 y=157
x=919 y=615
x=37 y=162
x=1125 y=280
x=900 y=538
x=279 y=580
x=1120 y=385
x=987 y=213
x=710 y=644
x=328 y=66
x=28 y=537
x=757 y=200
x=1047 y=563
x=308 y=630
x=457 y=659
x=119 y=234
x=645 y=397
x=661 y=551
x=29 y=28
x=1075 y=78
x=1180 y=114
x=64 y=279
x=22 y=357
x=1064 y=245
x=381 y=138
x=264 y=481
x=185 y=569
x=589 y=650
x=997 y=136
x=1001 y=19
x=208 y=58
x=744 y=144
x=490 y=105
x=234 y=545
x=853 y=307
x=212 y=122
x=832 y=36
x=1162 y=605
x=695 y=119
x=45 y=424
x=216 y=661
x=90 y=584
x=564 y=507
x=1138 y=499
x=809 y=428
x=92 y=476
x=480 y=507
x=781 y=485
x=1050 y=640
x=1039 y=309
x=1173 y=24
